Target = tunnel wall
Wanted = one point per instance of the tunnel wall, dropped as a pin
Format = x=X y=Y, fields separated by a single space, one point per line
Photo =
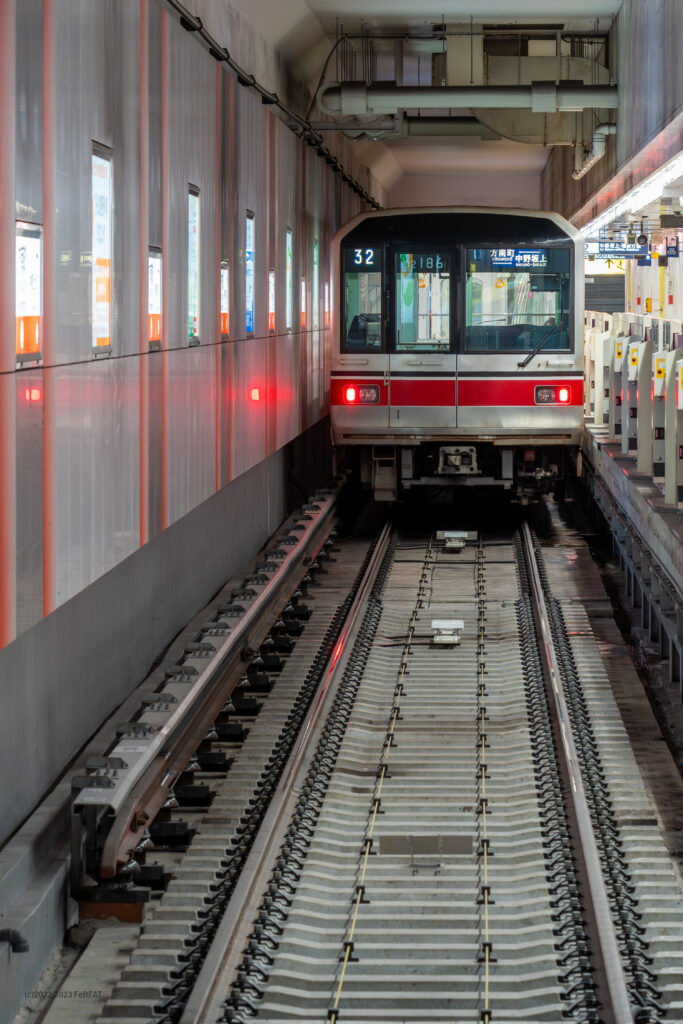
x=121 y=462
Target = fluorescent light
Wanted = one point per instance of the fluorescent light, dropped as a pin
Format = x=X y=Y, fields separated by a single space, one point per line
x=637 y=198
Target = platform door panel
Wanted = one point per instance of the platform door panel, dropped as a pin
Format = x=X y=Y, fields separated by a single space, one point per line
x=422 y=361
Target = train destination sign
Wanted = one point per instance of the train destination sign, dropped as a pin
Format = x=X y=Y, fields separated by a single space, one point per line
x=523 y=259
x=617 y=250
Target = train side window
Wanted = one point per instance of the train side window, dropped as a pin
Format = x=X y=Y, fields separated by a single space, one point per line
x=362 y=325
x=423 y=302
x=516 y=298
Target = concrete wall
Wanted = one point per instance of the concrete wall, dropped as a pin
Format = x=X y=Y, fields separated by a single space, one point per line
x=520 y=189
x=646 y=43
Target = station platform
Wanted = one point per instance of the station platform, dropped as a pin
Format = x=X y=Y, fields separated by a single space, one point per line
x=658 y=525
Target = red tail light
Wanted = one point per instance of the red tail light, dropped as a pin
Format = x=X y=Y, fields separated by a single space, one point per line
x=550 y=394
x=350 y=394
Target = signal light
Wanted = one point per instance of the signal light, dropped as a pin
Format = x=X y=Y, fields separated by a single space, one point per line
x=33 y=394
x=563 y=395
x=350 y=395
x=255 y=394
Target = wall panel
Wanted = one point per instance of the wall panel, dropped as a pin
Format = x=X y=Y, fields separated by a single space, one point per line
x=211 y=412
x=248 y=394
x=96 y=449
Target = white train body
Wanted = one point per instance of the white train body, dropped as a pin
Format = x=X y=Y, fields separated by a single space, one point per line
x=457 y=348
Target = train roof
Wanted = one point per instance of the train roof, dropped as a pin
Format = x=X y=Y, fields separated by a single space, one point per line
x=479 y=225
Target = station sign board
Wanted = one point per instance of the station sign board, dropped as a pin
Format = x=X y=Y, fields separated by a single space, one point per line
x=617 y=250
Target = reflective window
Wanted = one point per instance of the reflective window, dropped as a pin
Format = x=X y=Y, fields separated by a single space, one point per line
x=249 y=274
x=193 y=266
x=423 y=302
x=154 y=297
x=316 y=285
x=326 y=311
x=29 y=291
x=271 y=300
x=102 y=195
x=362 y=325
x=302 y=302
x=225 y=300
x=289 y=281
x=518 y=299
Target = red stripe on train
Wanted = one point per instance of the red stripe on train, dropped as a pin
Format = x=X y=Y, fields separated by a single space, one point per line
x=513 y=392
x=441 y=392
x=422 y=392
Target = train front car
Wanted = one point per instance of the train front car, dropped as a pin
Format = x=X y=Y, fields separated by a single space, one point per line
x=457 y=349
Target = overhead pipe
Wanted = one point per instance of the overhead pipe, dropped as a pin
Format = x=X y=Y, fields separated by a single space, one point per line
x=337 y=99
x=598 y=150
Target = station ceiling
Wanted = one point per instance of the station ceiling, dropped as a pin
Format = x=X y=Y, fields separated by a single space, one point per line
x=304 y=32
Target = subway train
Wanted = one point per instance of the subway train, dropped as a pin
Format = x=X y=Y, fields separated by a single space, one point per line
x=457 y=350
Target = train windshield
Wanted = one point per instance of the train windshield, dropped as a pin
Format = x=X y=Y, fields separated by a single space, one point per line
x=423 y=302
x=362 y=300
x=517 y=299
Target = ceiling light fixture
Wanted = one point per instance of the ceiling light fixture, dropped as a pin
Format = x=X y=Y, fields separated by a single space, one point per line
x=637 y=198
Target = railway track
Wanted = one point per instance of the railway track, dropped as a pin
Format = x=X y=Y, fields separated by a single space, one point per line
x=458 y=832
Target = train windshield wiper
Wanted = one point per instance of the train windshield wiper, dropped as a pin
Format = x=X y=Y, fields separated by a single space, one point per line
x=538 y=348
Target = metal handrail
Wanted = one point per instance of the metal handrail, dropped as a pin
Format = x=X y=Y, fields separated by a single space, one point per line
x=139 y=773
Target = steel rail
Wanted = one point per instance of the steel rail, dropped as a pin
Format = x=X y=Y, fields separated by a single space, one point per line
x=610 y=958
x=154 y=762
x=223 y=958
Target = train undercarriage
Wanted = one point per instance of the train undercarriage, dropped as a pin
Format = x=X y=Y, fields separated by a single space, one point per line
x=434 y=470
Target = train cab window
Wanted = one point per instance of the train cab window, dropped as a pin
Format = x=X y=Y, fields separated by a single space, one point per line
x=362 y=327
x=423 y=302
x=517 y=299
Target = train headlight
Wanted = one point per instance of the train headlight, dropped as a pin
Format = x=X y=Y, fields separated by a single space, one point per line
x=550 y=395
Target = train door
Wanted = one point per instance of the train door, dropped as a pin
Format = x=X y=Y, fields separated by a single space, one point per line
x=516 y=339
x=422 y=359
